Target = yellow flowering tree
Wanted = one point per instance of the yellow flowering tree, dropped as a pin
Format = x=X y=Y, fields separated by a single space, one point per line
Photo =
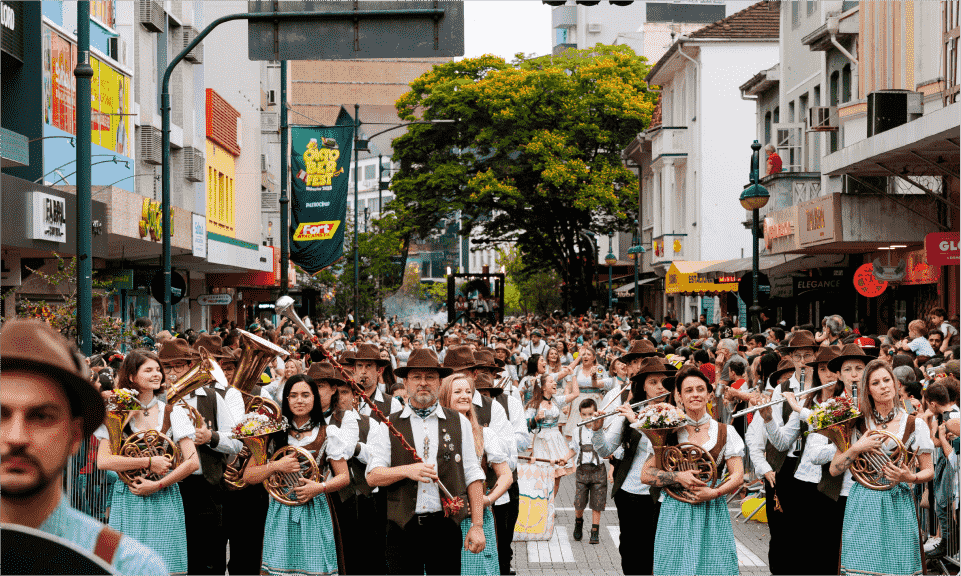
x=534 y=156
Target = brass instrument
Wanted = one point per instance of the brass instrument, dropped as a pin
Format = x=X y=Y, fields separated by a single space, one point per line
x=633 y=406
x=680 y=458
x=234 y=469
x=779 y=401
x=280 y=485
x=868 y=468
x=153 y=444
x=256 y=355
x=203 y=373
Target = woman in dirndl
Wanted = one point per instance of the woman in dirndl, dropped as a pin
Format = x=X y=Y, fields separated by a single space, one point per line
x=699 y=536
x=880 y=533
x=543 y=413
x=303 y=539
x=457 y=393
x=151 y=511
x=590 y=381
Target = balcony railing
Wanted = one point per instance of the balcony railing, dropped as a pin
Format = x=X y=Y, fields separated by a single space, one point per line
x=669 y=140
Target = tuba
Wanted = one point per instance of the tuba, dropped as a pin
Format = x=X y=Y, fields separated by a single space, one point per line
x=255 y=447
x=203 y=373
x=281 y=485
x=154 y=444
x=868 y=468
x=256 y=355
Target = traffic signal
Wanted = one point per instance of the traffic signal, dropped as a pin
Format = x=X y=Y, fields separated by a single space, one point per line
x=588 y=2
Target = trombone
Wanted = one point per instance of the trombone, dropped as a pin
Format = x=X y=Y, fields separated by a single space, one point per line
x=776 y=402
x=633 y=406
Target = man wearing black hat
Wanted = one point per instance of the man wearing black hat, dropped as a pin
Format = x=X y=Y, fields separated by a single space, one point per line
x=637 y=510
x=420 y=537
x=49 y=407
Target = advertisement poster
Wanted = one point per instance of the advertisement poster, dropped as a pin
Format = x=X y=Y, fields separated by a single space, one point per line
x=109 y=95
x=320 y=164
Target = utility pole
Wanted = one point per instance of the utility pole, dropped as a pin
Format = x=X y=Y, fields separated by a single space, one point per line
x=356 y=242
x=284 y=179
x=83 y=73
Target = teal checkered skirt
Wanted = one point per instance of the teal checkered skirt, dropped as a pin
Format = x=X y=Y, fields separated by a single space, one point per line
x=695 y=538
x=156 y=521
x=485 y=562
x=880 y=534
x=299 y=539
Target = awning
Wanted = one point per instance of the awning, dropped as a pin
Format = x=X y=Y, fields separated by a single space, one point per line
x=927 y=146
x=628 y=289
x=686 y=277
x=739 y=266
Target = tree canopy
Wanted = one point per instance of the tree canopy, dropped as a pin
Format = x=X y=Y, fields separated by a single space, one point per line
x=533 y=158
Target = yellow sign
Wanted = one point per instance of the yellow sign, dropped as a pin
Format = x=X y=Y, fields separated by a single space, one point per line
x=221 y=207
x=683 y=278
x=316 y=230
x=321 y=163
x=151 y=220
x=109 y=99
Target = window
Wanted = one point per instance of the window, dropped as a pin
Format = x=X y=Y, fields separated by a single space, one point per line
x=802 y=118
x=369 y=172
x=560 y=36
x=817 y=95
x=811 y=5
x=790 y=112
x=777 y=114
x=767 y=127
x=795 y=13
x=846 y=83
x=788 y=140
x=834 y=87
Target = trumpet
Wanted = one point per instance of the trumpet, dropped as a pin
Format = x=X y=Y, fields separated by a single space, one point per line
x=776 y=402
x=633 y=406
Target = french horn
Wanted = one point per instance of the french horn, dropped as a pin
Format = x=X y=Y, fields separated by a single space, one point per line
x=281 y=485
x=254 y=450
x=153 y=444
x=868 y=468
x=680 y=458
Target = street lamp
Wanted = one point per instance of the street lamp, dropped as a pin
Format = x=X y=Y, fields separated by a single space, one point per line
x=635 y=250
x=753 y=198
x=610 y=260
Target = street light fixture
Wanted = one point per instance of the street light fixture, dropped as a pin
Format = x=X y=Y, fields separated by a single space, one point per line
x=634 y=251
x=610 y=260
x=753 y=198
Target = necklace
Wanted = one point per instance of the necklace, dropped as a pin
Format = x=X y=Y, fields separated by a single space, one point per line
x=883 y=422
x=298 y=432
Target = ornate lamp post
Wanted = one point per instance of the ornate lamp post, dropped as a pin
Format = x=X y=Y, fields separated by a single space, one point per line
x=610 y=260
x=753 y=198
x=635 y=251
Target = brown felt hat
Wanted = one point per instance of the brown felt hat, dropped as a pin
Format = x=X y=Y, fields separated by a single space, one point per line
x=177 y=349
x=485 y=381
x=324 y=370
x=347 y=357
x=640 y=349
x=214 y=346
x=848 y=352
x=783 y=367
x=651 y=365
x=459 y=358
x=369 y=352
x=800 y=339
x=485 y=360
x=825 y=355
x=34 y=346
x=423 y=359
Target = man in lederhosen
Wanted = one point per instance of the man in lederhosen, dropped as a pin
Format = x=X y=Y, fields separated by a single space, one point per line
x=420 y=537
x=201 y=491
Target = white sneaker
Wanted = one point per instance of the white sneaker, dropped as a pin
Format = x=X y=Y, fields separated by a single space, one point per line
x=932 y=544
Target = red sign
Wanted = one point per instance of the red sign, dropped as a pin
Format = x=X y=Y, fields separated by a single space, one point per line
x=942 y=248
x=919 y=271
x=865 y=282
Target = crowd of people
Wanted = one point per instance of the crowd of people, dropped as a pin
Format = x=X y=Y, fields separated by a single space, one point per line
x=417 y=432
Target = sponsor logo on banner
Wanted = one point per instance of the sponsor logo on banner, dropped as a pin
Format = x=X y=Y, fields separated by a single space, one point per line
x=316 y=231
x=942 y=248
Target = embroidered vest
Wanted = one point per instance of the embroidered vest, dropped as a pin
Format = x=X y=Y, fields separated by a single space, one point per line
x=402 y=495
x=631 y=439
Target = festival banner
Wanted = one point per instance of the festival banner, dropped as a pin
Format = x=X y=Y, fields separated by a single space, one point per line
x=320 y=167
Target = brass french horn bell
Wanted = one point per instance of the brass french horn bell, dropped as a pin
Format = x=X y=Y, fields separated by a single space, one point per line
x=203 y=373
x=868 y=468
x=689 y=456
x=234 y=469
x=281 y=486
x=154 y=444
x=285 y=307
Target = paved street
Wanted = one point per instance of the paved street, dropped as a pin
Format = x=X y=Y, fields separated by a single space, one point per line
x=562 y=555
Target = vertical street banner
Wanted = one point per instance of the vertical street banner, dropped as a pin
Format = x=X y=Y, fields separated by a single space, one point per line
x=320 y=166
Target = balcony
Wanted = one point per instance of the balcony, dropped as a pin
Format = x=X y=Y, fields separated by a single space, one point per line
x=664 y=249
x=669 y=141
x=564 y=17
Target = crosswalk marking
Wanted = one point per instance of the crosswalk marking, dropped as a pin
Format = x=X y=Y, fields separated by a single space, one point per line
x=747 y=558
x=557 y=549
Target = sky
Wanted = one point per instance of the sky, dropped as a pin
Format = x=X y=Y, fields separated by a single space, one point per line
x=505 y=27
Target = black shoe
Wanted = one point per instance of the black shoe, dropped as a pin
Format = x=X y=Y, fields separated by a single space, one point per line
x=937 y=551
x=578 y=529
x=596 y=534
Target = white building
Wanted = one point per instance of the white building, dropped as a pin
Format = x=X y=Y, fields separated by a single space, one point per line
x=696 y=156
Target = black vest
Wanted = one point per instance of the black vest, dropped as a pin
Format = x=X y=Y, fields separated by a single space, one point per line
x=356 y=468
x=630 y=439
x=402 y=495
x=484 y=414
x=212 y=463
x=774 y=457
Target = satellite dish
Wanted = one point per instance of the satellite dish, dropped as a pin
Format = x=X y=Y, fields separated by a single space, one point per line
x=890 y=273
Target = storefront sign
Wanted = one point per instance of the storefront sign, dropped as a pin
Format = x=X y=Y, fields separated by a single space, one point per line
x=776 y=229
x=11 y=20
x=118 y=279
x=817 y=220
x=829 y=284
x=48 y=219
x=151 y=220
x=199 y=236
x=919 y=270
x=942 y=248
x=865 y=282
x=727 y=279
x=214 y=299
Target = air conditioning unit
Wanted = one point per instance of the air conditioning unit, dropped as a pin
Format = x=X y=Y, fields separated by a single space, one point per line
x=117 y=49
x=269 y=122
x=194 y=165
x=197 y=54
x=889 y=109
x=594 y=28
x=822 y=119
x=150 y=143
x=151 y=15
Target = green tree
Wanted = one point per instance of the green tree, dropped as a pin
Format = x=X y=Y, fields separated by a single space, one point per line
x=536 y=290
x=534 y=157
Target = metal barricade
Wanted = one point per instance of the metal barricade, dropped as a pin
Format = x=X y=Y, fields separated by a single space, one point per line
x=88 y=487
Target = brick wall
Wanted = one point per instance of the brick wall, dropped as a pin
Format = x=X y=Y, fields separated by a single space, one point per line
x=222 y=122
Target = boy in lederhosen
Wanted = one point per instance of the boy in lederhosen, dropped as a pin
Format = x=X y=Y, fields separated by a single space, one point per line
x=591 y=477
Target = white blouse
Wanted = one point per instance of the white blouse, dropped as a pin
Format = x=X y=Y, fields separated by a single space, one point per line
x=181 y=426
x=496 y=454
x=733 y=448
